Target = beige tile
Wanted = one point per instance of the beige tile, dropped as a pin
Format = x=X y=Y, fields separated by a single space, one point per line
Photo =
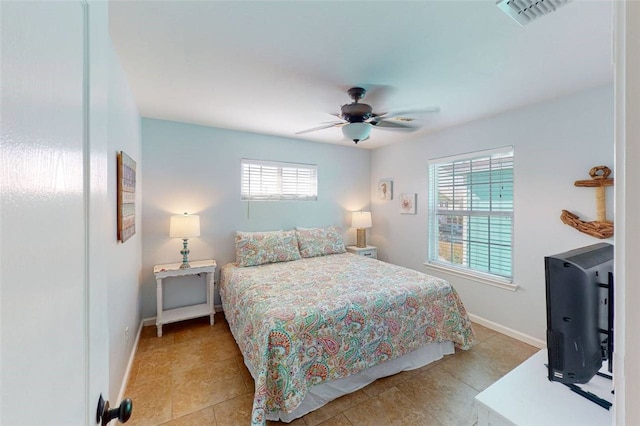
x=195 y=375
x=223 y=347
x=442 y=396
x=509 y=351
x=189 y=355
x=386 y=383
x=488 y=361
x=213 y=371
x=133 y=374
x=148 y=331
x=151 y=402
x=204 y=417
x=482 y=333
x=198 y=388
x=151 y=343
x=335 y=407
x=200 y=328
x=234 y=411
x=246 y=375
x=389 y=408
x=153 y=365
x=339 y=420
x=473 y=369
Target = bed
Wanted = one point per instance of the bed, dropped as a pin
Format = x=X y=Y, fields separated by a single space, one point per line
x=321 y=323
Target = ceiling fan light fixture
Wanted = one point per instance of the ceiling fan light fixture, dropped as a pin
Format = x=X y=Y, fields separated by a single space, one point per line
x=356 y=131
x=525 y=11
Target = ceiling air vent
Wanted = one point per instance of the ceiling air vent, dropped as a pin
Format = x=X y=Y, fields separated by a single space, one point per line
x=525 y=11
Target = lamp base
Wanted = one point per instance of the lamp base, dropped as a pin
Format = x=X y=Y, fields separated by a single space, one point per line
x=185 y=255
x=361 y=238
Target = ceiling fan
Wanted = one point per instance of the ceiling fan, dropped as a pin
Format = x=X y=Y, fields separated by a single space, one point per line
x=357 y=119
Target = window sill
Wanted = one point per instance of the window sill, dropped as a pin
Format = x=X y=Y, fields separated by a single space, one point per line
x=473 y=277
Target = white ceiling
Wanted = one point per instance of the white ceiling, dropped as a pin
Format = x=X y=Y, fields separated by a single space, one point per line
x=280 y=67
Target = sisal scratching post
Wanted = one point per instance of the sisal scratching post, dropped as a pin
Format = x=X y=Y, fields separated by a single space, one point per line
x=601 y=204
x=600 y=228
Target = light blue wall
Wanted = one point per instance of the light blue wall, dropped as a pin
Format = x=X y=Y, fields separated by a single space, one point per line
x=555 y=143
x=125 y=259
x=196 y=169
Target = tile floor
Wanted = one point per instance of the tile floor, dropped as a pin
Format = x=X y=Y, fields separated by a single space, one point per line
x=194 y=375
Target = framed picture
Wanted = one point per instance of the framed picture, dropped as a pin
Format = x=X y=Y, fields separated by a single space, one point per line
x=126 y=197
x=408 y=203
x=385 y=189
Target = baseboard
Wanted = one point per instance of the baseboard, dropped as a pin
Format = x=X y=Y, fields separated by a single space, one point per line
x=541 y=344
x=127 y=373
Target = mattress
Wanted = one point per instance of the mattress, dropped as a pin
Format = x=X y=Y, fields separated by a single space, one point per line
x=308 y=322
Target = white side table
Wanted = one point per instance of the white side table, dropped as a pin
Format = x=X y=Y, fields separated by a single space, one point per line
x=368 y=251
x=187 y=312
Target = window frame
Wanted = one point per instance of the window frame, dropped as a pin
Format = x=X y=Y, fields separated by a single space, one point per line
x=278 y=180
x=433 y=240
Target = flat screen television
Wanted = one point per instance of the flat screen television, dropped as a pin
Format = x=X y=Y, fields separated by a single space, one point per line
x=579 y=293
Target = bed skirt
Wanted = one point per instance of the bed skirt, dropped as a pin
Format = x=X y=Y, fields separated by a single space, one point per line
x=321 y=394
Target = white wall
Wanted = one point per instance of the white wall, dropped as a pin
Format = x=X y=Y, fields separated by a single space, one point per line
x=125 y=259
x=555 y=143
x=627 y=269
x=196 y=169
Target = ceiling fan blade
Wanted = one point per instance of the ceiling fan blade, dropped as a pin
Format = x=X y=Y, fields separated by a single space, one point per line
x=393 y=125
x=402 y=112
x=324 y=126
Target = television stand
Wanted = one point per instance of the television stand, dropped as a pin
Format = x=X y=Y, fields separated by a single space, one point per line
x=590 y=396
x=525 y=396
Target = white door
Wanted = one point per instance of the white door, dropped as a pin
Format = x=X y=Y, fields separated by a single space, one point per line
x=53 y=328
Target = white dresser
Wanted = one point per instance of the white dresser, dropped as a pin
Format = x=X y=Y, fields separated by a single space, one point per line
x=526 y=397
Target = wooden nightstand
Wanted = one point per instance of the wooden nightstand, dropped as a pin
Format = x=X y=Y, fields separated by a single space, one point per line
x=161 y=272
x=368 y=251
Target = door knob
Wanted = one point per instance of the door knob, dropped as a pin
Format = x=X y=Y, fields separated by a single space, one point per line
x=122 y=413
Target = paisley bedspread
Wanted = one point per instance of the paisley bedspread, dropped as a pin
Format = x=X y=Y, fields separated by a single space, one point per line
x=308 y=321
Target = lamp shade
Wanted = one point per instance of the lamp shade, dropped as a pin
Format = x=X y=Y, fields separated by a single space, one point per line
x=356 y=131
x=361 y=220
x=184 y=226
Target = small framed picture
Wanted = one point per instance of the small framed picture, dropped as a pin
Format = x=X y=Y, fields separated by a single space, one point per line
x=385 y=189
x=408 y=203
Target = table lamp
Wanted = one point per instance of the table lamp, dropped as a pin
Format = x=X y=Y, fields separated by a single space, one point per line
x=361 y=220
x=184 y=226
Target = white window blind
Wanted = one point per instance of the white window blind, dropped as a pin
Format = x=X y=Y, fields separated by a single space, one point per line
x=471 y=212
x=272 y=180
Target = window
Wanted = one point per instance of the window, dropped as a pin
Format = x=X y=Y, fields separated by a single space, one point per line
x=471 y=212
x=272 y=180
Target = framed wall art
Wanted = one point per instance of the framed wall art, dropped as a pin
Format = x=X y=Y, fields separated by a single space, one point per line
x=408 y=203
x=385 y=189
x=126 y=197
